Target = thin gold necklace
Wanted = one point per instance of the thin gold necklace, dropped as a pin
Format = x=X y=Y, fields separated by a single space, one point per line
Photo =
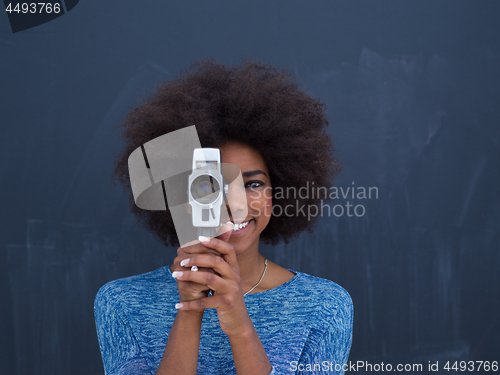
x=256 y=285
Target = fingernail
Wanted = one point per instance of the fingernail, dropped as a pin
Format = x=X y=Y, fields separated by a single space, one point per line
x=194 y=268
x=179 y=305
x=184 y=262
x=203 y=239
x=176 y=274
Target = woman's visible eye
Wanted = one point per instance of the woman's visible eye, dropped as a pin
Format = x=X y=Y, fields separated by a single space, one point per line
x=254 y=184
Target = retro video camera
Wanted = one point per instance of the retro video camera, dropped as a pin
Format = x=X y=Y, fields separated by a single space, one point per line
x=207 y=190
x=173 y=172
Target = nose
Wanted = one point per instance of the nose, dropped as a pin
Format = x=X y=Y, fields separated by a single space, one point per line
x=237 y=200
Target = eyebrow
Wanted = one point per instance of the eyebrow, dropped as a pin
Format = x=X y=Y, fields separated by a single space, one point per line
x=253 y=173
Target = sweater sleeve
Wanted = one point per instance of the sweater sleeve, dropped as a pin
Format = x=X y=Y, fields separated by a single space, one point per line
x=121 y=354
x=327 y=352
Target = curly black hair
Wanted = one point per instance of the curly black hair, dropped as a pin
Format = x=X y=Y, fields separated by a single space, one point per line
x=252 y=103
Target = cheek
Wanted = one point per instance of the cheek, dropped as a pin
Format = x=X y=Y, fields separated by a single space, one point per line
x=260 y=204
x=268 y=204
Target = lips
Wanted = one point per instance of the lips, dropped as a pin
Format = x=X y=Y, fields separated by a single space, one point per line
x=237 y=227
x=240 y=228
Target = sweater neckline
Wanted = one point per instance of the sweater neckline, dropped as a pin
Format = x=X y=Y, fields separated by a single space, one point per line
x=286 y=284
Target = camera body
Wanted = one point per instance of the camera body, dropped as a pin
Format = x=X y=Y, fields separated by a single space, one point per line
x=206 y=189
x=173 y=172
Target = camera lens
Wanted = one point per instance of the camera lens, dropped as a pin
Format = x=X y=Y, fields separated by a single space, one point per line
x=205 y=189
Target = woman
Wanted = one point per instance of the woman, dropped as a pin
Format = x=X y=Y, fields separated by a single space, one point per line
x=259 y=318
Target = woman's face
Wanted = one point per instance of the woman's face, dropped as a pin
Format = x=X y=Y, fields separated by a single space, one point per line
x=258 y=194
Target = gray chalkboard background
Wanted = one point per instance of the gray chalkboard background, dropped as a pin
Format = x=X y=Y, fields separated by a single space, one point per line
x=413 y=96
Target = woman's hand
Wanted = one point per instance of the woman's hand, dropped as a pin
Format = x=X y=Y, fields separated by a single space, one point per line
x=189 y=290
x=224 y=279
x=225 y=282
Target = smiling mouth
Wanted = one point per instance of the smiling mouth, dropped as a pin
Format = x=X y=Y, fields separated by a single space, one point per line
x=237 y=227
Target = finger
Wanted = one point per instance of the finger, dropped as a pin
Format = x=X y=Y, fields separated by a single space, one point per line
x=190 y=243
x=178 y=267
x=225 y=232
x=186 y=286
x=224 y=248
x=200 y=303
x=189 y=287
x=211 y=280
x=198 y=248
x=217 y=264
x=177 y=260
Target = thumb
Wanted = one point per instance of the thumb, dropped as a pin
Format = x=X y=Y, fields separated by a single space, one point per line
x=225 y=232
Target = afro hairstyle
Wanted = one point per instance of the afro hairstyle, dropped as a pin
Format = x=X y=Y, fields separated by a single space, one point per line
x=251 y=103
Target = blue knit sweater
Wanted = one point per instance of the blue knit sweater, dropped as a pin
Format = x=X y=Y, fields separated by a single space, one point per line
x=305 y=326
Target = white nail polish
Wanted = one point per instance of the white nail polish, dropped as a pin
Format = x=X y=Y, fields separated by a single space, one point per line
x=176 y=274
x=203 y=239
x=178 y=305
x=184 y=262
x=194 y=268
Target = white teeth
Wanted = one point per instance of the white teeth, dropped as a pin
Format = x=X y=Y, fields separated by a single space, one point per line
x=238 y=226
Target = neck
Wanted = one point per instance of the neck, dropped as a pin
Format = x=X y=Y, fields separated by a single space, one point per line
x=251 y=265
